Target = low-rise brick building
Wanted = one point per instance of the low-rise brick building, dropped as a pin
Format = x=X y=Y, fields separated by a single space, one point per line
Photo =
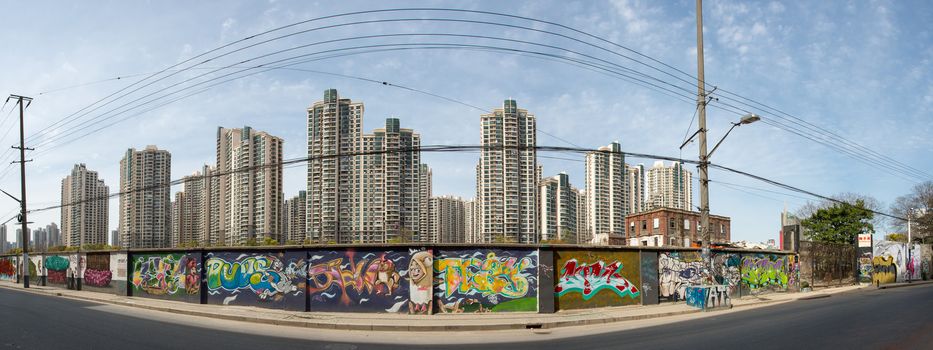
x=673 y=227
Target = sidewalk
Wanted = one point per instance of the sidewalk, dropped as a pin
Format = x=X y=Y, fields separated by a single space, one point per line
x=419 y=323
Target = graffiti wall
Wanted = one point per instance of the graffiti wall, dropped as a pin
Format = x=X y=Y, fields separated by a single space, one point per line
x=36 y=269
x=118 y=269
x=727 y=271
x=272 y=279
x=889 y=262
x=588 y=279
x=767 y=273
x=57 y=269
x=98 y=276
x=8 y=268
x=486 y=280
x=370 y=280
x=864 y=264
x=175 y=276
x=676 y=271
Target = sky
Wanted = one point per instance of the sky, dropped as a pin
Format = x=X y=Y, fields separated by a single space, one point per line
x=860 y=69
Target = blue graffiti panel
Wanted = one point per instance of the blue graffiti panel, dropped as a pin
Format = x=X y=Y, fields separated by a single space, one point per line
x=270 y=279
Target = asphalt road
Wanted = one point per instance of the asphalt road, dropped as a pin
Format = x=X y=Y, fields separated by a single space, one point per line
x=900 y=318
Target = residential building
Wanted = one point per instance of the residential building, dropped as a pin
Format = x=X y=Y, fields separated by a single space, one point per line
x=295 y=218
x=449 y=222
x=389 y=203
x=249 y=199
x=424 y=198
x=3 y=239
x=196 y=211
x=40 y=239
x=558 y=209
x=115 y=238
x=85 y=214
x=583 y=229
x=146 y=200
x=507 y=176
x=606 y=192
x=669 y=186
x=470 y=218
x=635 y=187
x=55 y=235
x=674 y=227
x=335 y=129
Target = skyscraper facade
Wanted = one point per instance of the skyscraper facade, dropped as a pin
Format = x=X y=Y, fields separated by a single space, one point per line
x=558 y=209
x=55 y=235
x=196 y=210
x=146 y=202
x=449 y=221
x=507 y=176
x=335 y=128
x=3 y=239
x=669 y=186
x=250 y=189
x=85 y=214
x=606 y=191
x=388 y=203
x=635 y=183
x=295 y=218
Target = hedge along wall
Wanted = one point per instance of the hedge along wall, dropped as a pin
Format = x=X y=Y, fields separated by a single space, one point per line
x=486 y=280
x=597 y=278
x=8 y=268
x=273 y=279
x=166 y=275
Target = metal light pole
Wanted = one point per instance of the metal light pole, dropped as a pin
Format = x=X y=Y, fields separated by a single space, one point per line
x=909 y=262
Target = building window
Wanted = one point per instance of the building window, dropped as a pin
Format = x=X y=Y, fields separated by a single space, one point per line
x=656 y=242
x=657 y=222
x=673 y=223
x=644 y=225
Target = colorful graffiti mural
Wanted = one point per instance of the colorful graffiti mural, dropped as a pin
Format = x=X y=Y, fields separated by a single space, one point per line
x=57 y=269
x=595 y=278
x=97 y=272
x=889 y=262
x=169 y=275
x=676 y=271
x=268 y=279
x=486 y=280
x=370 y=280
x=767 y=272
x=727 y=270
x=7 y=268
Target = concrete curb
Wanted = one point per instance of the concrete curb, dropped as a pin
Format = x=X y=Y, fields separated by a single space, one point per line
x=815 y=296
x=904 y=284
x=441 y=326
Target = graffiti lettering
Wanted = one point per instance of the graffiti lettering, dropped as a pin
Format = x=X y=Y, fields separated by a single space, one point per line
x=57 y=269
x=885 y=270
x=678 y=270
x=590 y=279
x=489 y=276
x=161 y=275
x=763 y=272
x=97 y=278
x=264 y=275
x=371 y=277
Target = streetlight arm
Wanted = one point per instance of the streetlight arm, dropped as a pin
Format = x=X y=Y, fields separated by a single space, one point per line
x=11 y=196
x=710 y=154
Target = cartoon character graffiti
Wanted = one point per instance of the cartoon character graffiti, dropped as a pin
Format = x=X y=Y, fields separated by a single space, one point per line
x=386 y=275
x=677 y=270
x=419 y=283
x=590 y=279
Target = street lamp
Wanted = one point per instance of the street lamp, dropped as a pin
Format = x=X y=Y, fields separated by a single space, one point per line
x=910 y=263
x=704 y=182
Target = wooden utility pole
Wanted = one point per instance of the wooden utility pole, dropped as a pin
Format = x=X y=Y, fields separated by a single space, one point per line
x=22 y=170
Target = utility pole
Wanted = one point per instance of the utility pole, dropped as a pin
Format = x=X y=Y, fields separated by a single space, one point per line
x=704 y=176
x=22 y=170
x=909 y=260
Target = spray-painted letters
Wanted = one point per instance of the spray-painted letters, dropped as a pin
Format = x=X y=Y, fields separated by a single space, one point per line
x=169 y=275
x=370 y=280
x=275 y=279
x=676 y=271
x=486 y=280
x=596 y=278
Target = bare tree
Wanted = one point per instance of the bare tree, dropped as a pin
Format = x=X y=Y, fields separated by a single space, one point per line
x=920 y=200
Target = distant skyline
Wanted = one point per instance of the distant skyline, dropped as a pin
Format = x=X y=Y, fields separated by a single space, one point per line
x=860 y=69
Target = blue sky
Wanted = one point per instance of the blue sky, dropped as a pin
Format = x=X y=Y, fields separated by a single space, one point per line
x=862 y=69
